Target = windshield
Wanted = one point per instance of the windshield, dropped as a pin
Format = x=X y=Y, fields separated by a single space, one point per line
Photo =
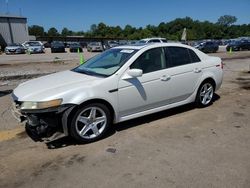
x=95 y=44
x=34 y=44
x=107 y=63
x=75 y=45
x=14 y=44
x=142 y=42
x=235 y=42
x=57 y=44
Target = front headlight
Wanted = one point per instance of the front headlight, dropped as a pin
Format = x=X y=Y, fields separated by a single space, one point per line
x=31 y=105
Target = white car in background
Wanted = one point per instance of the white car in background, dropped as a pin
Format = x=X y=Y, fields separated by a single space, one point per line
x=34 y=46
x=14 y=48
x=95 y=47
x=152 y=40
x=119 y=84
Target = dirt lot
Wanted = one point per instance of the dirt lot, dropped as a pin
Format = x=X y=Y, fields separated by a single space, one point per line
x=182 y=147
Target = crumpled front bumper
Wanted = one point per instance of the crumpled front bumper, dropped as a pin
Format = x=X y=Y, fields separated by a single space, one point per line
x=43 y=124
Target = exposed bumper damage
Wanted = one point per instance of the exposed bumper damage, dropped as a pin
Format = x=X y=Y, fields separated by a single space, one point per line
x=42 y=124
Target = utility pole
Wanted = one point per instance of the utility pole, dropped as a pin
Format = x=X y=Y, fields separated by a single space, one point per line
x=7 y=6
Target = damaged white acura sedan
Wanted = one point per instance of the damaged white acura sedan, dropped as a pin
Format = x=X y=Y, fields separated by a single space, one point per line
x=119 y=84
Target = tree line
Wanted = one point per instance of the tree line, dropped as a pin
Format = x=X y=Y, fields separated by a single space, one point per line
x=224 y=28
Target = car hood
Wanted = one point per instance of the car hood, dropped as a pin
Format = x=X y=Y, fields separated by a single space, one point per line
x=52 y=86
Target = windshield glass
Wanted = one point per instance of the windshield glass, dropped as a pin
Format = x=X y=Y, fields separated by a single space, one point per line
x=14 y=44
x=95 y=44
x=75 y=45
x=235 y=42
x=142 y=42
x=107 y=63
x=34 y=44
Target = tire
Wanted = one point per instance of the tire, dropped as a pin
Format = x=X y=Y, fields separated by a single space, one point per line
x=85 y=127
x=205 y=94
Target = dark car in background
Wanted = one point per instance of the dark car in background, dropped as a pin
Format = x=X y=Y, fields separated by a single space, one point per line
x=238 y=45
x=208 y=46
x=57 y=46
x=75 y=47
x=14 y=48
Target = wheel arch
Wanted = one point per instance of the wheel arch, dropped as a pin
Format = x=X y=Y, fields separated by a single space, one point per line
x=68 y=115
x=206 y=80
x=209 y=79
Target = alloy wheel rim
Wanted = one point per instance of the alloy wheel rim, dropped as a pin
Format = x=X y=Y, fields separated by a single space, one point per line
x=206 y=93
x=91 y=122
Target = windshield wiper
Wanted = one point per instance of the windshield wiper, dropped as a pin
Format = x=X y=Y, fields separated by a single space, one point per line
x=89 y=72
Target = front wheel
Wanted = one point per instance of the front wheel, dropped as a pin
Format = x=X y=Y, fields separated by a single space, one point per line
x=90 y=123
x=205 y=94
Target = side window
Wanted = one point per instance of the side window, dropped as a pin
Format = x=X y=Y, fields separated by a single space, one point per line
x=177 y=56
x=150 y=61
x=154 y=40
x=194 y=58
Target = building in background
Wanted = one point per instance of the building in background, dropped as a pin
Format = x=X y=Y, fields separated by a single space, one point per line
x=13 y=29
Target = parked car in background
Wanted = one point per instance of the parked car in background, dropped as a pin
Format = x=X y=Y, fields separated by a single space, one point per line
x=238 y=45
x=57 y=47
x=132 y=42
x=95 y=47
x=123 y=42
x=208 y=46
x=120 y=84
x=14 y=48
x=112 y=44
x=47 y=44
x=152 y=40
x=34 y=46
x=75 y=47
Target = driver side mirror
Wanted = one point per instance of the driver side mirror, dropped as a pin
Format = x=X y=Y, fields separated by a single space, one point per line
x=133 y=73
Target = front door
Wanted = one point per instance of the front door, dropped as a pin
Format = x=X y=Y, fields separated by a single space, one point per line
x=148 y=91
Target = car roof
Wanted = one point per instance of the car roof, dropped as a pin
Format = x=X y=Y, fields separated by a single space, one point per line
x=140 y=46
x=155 y=45
x=153 y=38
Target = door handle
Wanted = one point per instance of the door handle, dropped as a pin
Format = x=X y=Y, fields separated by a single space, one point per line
x=197 y=70
x=165 y=78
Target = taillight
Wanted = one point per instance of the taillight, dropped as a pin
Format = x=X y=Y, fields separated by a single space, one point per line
x=221 y=65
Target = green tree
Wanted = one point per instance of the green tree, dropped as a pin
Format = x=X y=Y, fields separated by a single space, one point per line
x=102 y=30
x=128 y=31
x=226 y=20
x=36 y=30
x=93 y=28
x=66 y=32
x=53 y=32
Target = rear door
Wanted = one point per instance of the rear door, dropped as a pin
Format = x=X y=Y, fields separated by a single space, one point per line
x=184 y=72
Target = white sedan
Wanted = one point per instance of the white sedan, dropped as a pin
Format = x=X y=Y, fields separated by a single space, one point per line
x=119 y=84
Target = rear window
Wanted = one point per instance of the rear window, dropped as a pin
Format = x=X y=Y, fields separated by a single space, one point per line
x=154 y=40
x=193 y=56
x=177 y=56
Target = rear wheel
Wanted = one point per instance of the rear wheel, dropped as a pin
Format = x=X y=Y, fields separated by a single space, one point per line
x=90 y=123
x=205 y=94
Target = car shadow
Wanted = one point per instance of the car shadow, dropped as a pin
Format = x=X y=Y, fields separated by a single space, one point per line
x=68 y=141
x=5 y=92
